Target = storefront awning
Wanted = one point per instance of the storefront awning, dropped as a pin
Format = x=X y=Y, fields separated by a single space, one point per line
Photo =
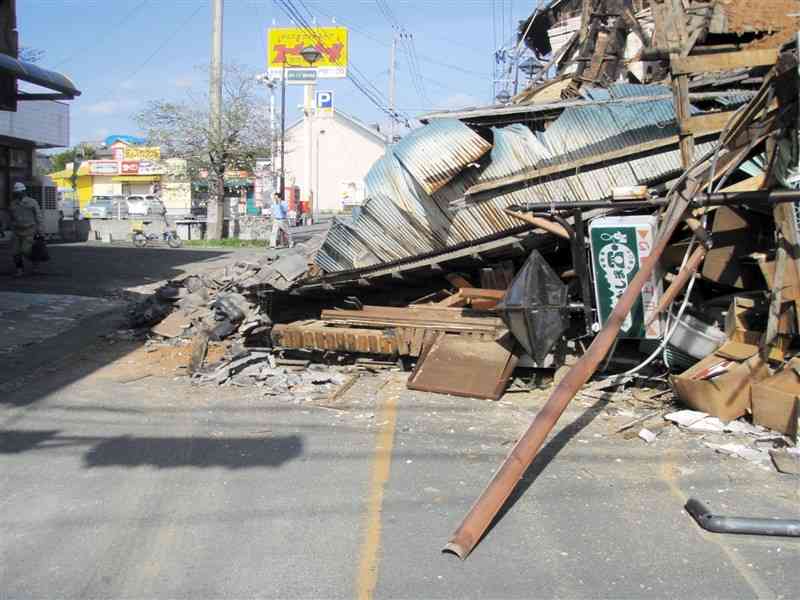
x=135 y=178
x=25 y=71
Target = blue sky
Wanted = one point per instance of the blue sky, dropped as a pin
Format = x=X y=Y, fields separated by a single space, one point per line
x=122 y=53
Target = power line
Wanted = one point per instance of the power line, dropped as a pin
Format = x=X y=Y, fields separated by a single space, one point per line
x=361 y=31
x=161 y=46
x=407 y=40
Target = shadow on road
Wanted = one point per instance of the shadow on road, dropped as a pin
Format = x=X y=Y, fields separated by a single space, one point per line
x=98 y=269
x=161 y=452
x=166 y=453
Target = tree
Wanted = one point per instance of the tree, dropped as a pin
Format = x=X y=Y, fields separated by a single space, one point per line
x=31 y=55
x=60 y=160
x=182 y=130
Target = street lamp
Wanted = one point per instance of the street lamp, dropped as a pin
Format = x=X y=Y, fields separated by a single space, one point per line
x=503 y=97
x=311 y=55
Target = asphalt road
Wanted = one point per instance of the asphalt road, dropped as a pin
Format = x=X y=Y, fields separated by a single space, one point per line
x=120 y=487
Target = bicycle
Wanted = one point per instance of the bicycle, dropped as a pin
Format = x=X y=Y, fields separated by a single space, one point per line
x=142 y=238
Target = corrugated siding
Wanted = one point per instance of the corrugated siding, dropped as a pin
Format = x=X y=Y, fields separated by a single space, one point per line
x=436 y=153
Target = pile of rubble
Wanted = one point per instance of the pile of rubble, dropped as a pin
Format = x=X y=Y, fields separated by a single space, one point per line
x=593 y=226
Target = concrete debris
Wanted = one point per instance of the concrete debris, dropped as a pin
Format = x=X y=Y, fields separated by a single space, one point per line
x=786 y=460
x=647 y=435
x=741 y=451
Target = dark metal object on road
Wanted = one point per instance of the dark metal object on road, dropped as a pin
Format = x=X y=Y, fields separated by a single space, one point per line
x=535 y=307
x=747 y=525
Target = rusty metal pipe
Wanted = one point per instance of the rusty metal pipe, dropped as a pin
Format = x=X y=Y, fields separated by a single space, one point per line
x=525 y=450
x=548 y=226
x=680 y=281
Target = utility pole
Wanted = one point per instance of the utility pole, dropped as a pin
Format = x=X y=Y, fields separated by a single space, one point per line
x=216 y=209
x=283 y=131
x=392 y=69
x=308 y=125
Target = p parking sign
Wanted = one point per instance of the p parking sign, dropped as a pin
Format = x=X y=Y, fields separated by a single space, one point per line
x=324 y=103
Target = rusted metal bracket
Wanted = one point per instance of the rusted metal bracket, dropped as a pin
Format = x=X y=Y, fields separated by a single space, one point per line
x=541 y=223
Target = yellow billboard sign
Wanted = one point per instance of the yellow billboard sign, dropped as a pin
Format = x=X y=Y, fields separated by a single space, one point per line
x=142 y=153
x=284 y=45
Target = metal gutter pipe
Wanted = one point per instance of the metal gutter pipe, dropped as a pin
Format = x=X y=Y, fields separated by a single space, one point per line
x=747 y=525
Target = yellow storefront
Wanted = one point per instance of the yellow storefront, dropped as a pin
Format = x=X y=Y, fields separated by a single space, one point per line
x=84 y=183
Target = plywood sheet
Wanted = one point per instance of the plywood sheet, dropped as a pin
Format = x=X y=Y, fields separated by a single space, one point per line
x=463 y=366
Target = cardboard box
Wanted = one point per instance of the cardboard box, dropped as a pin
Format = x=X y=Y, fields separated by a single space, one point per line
x=725 y=396
x=746 y=322
x=737 y=233
x=775 y=400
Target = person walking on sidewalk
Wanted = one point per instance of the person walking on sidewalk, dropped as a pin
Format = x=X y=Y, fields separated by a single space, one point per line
x=280 y=211
x=26 y=222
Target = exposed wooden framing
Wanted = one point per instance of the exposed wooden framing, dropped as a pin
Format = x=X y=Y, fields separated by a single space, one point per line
x=781 y=262
x=636 y=28
x=676 y=36
x=723 y=61
x=709 y=122
x=586 y=12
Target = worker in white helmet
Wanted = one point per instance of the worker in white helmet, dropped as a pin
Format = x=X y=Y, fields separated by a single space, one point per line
x=26 y=222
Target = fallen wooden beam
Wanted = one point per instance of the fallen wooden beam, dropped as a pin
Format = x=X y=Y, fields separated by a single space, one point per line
x=723 y=61
x=704 y=123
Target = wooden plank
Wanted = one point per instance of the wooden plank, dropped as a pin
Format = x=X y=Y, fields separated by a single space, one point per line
x=492 y=324
x=458 y=281
x=706 y=123
x=481 y=293
x=455 y=300
x=723 y=61
x=426 y=316
x=417 y=342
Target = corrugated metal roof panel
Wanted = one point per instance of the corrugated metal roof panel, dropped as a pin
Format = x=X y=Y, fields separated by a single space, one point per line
x=585 y=131
x=402 y=218
x=515 y=147
x=436 y=153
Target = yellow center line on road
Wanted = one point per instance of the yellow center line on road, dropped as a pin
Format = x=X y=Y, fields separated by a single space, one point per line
x=367 y=577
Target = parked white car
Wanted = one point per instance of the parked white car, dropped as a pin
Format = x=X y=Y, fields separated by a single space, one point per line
x=106 y=207
x=142 y=206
